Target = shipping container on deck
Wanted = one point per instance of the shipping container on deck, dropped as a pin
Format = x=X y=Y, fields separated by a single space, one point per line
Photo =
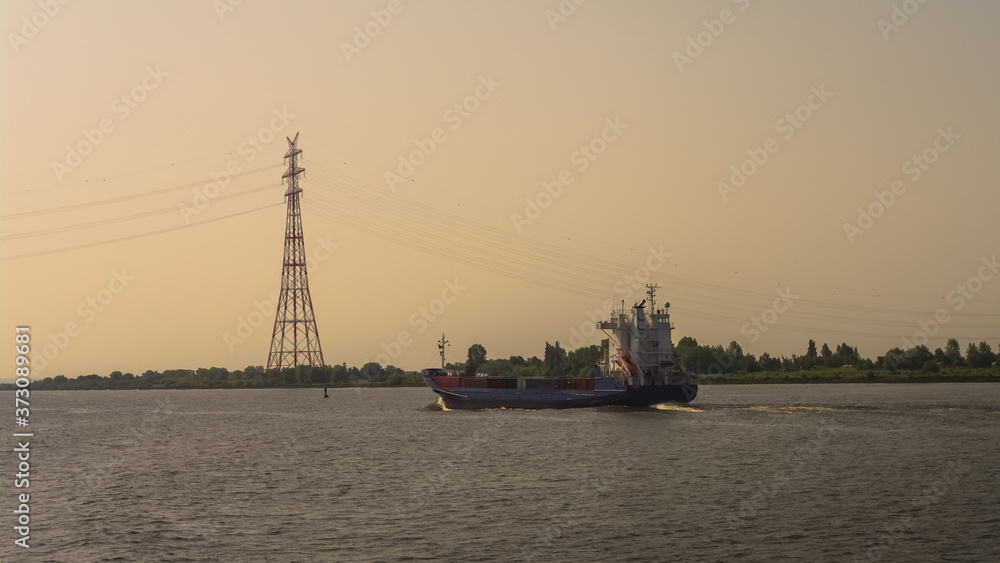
x=448 y=381
x=501 y=383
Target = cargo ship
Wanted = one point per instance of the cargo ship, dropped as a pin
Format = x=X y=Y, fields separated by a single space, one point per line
x=642 y=372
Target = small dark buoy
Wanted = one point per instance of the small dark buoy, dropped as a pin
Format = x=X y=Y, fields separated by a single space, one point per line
x=325 y=396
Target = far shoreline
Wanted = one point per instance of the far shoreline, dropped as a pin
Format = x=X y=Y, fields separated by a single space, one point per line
x=819 y=376
x=854 y=375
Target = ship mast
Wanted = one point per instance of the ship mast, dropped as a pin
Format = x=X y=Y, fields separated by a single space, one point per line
x=442 y=344
x=651 y=292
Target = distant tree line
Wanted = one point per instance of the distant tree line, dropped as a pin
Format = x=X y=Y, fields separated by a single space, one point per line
x=371 y=374
x=555 y=362
x=732 y=359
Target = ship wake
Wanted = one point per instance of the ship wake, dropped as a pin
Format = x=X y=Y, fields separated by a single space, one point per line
x=675 y=407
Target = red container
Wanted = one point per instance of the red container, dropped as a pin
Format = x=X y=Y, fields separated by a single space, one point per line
x=474 y=382
x=448 y=381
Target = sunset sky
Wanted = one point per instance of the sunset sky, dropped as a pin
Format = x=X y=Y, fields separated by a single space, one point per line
x=786 y=170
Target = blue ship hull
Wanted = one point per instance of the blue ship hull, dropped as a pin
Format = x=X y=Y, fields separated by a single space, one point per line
x=605 y=392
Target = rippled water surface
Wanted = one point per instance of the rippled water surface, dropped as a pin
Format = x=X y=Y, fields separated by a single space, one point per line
x=745 y=473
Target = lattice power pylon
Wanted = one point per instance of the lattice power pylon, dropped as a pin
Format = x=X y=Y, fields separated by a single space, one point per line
x=295 y=340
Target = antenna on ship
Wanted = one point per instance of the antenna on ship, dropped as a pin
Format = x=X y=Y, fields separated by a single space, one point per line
x=441 y=346
x=651 y=292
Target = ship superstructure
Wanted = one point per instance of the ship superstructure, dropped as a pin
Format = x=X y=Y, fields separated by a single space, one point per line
x=645 y=355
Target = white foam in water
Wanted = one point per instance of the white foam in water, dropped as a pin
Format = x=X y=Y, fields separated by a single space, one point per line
x=675 y=407
x=790 y=410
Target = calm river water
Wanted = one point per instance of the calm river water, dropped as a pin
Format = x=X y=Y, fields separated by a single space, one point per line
x=838 y=472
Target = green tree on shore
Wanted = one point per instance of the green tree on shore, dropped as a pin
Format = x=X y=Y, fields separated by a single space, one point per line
x=953 y=352
x=980 y=356
x=554 y=360
x=476 y=357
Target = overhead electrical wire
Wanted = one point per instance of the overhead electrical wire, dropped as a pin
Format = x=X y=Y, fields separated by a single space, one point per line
x=364 y=206
x=135 y=236
x=101 y=179
x=354 y=218
x=451 y=252
x=556 y=254
x=127 y=197
x=375 y=191
x=448 y=219
x=677 y=262
x=408 y=239
x=475 y=207
x=102 y=222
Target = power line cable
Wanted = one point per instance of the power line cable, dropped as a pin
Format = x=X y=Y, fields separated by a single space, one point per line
x=130 y=237
x=103 y=222
x=128 y=197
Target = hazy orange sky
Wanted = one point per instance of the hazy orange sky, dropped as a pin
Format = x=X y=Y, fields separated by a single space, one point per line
x=822 y=170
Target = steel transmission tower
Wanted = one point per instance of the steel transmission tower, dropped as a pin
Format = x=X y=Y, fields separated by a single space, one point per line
x=295 y=340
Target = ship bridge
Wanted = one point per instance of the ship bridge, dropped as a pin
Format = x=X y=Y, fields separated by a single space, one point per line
x=644 y=341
